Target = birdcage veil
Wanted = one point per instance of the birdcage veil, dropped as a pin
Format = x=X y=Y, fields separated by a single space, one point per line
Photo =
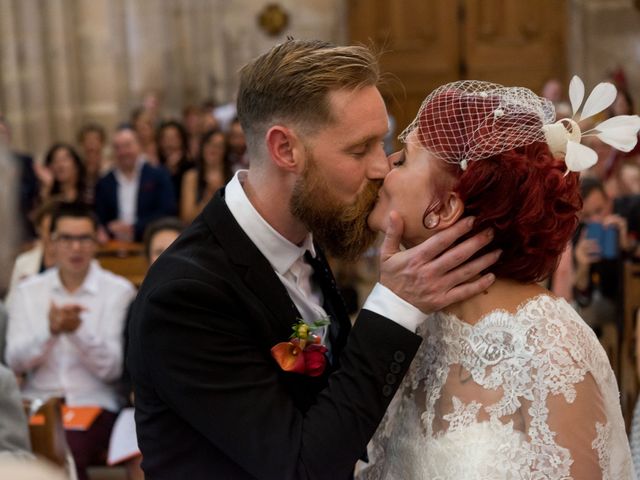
x=470 y=120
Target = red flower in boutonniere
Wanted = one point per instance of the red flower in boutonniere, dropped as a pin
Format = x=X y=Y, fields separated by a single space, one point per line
x=304 y=353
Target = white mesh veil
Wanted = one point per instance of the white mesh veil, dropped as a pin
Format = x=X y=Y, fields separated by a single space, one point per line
x=470 y=120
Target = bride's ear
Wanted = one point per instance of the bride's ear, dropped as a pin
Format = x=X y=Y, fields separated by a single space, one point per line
x=450 y=211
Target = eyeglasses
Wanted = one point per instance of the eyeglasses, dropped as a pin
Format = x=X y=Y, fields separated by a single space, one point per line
x=68 y=240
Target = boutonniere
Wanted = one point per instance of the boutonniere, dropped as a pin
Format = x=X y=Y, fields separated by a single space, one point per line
x=304 y=353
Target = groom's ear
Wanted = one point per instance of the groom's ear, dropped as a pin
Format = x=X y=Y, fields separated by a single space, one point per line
x=284 y=148
x=451 y=209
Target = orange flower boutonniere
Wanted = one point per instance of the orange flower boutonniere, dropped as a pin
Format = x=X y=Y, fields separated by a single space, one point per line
x=304 y=353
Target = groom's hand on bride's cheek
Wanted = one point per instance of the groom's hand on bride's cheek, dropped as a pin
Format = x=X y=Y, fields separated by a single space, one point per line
x=432 y=275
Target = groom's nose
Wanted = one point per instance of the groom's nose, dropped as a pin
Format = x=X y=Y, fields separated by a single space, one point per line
x=378 y=167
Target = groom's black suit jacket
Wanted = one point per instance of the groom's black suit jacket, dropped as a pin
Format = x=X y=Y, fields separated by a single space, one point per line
x=210 y=400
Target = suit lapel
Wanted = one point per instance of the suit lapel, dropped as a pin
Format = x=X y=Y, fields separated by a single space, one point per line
x=255 y=270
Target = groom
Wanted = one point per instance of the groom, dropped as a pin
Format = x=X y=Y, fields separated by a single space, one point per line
x=211 y=400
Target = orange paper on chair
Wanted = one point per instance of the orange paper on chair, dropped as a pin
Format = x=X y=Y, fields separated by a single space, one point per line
x=79 y=418
x=73 y=418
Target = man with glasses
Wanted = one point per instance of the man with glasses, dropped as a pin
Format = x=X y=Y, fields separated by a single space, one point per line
x=65 y=331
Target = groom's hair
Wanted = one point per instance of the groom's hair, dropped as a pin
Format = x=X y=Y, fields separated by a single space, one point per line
x=290 y=85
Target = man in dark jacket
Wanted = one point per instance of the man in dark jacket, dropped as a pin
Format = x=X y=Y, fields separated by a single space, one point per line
x=134 y=193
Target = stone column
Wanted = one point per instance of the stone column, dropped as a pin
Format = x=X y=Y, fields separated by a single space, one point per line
x=101 y=67
x=10 y=81
x=61 y=68
x=31 y=71
x=604 y=35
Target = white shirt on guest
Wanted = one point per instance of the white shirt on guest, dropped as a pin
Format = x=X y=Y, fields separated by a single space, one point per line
x=27 y=263
x=285 y=256
x=81 y=365
x=128 y=193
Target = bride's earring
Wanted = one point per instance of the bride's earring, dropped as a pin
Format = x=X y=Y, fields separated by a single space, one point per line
x=432 y=220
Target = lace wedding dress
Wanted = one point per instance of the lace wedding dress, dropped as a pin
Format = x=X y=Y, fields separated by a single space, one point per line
x=528 y=395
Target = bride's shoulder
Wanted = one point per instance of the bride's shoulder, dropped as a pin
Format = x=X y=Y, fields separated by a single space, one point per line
x=552 y=324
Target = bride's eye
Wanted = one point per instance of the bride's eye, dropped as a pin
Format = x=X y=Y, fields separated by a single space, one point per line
x=399 y=161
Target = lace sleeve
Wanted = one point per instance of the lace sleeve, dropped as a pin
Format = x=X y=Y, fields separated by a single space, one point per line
x=576 y=424
x=573 y=403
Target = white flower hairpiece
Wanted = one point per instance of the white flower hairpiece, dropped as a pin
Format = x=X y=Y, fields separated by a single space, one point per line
x=563 y=136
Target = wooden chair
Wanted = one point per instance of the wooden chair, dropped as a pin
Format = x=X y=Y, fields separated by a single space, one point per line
x=628 y=369
x=47 y=437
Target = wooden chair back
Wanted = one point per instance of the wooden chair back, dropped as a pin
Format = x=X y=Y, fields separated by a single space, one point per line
x=125 y=259
x=47 y=436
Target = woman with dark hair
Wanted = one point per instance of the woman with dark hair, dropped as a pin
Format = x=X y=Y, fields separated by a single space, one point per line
x=63 y=175
x=173 y=152
x=212 y=172
x=511 y=383
x=142 y=123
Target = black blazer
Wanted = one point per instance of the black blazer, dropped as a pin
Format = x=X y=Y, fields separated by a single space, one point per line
x=210 y=400
x=155 y=198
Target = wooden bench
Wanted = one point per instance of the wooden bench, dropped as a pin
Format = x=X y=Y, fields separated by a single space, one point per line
x=125 y=259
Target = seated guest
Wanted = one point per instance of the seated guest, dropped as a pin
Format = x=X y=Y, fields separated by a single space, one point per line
x=192 y=120
x=173 y=152
x=142 y=123
x=237 y=147
x=159 y=235
x=157 y=238
x=65 y=331
x=28 y=190
x=134 y=193
x=212 y=172
x=42 y=255
x=63 y=175
x=91 y=140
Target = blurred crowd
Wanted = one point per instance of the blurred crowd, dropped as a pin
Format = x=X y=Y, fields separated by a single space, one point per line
x=188 y=159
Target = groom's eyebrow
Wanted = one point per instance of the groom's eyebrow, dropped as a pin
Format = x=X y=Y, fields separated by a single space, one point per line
x=365 y=140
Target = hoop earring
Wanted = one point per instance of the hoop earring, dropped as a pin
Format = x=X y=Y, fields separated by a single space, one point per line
x=431 y=221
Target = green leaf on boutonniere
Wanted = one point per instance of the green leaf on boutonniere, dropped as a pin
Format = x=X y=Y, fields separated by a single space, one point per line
x=304 y=331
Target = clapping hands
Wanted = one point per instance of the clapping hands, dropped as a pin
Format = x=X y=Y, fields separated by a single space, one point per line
x=64 y=319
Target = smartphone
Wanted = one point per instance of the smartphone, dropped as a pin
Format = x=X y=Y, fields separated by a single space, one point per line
x=607 y=239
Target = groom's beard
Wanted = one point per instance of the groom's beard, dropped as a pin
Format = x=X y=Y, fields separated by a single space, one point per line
x=340 y=229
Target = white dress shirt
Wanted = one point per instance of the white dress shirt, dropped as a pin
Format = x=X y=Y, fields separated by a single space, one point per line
x=80 y=365
x=288 y=263
x=286 y=258
x=128 y=193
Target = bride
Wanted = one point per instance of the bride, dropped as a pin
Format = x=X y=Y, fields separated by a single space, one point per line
x=510 y=384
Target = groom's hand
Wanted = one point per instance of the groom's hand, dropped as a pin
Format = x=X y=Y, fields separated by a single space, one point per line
x=431 y=276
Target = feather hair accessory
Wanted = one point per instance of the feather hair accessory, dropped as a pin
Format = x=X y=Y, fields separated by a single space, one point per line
x=564 y=136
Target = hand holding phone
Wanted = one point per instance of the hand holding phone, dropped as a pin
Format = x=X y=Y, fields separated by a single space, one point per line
x=606 y=238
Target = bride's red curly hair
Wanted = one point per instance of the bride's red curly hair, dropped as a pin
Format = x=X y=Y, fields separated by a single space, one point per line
x=525 y=196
